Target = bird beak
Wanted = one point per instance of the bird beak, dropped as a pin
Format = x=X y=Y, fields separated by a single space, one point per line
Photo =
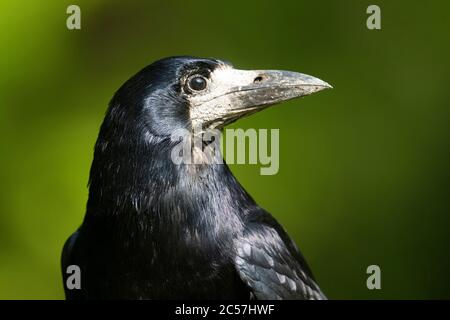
x=238 y=93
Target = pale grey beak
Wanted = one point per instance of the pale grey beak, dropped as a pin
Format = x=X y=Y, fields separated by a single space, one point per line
x=271 y=87
x=244 y=92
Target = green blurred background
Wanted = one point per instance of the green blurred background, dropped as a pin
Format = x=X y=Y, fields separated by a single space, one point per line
x=364 y=169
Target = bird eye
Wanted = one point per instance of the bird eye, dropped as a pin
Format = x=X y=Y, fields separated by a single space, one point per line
x=197 y=83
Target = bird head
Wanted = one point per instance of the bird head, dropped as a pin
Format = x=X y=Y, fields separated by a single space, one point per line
x=176 y=94
x=199 y=94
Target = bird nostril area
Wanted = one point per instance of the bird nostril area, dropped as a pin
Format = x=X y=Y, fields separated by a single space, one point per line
x=258 y=79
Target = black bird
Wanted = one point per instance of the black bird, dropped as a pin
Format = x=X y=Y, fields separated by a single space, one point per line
x=155 y=229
